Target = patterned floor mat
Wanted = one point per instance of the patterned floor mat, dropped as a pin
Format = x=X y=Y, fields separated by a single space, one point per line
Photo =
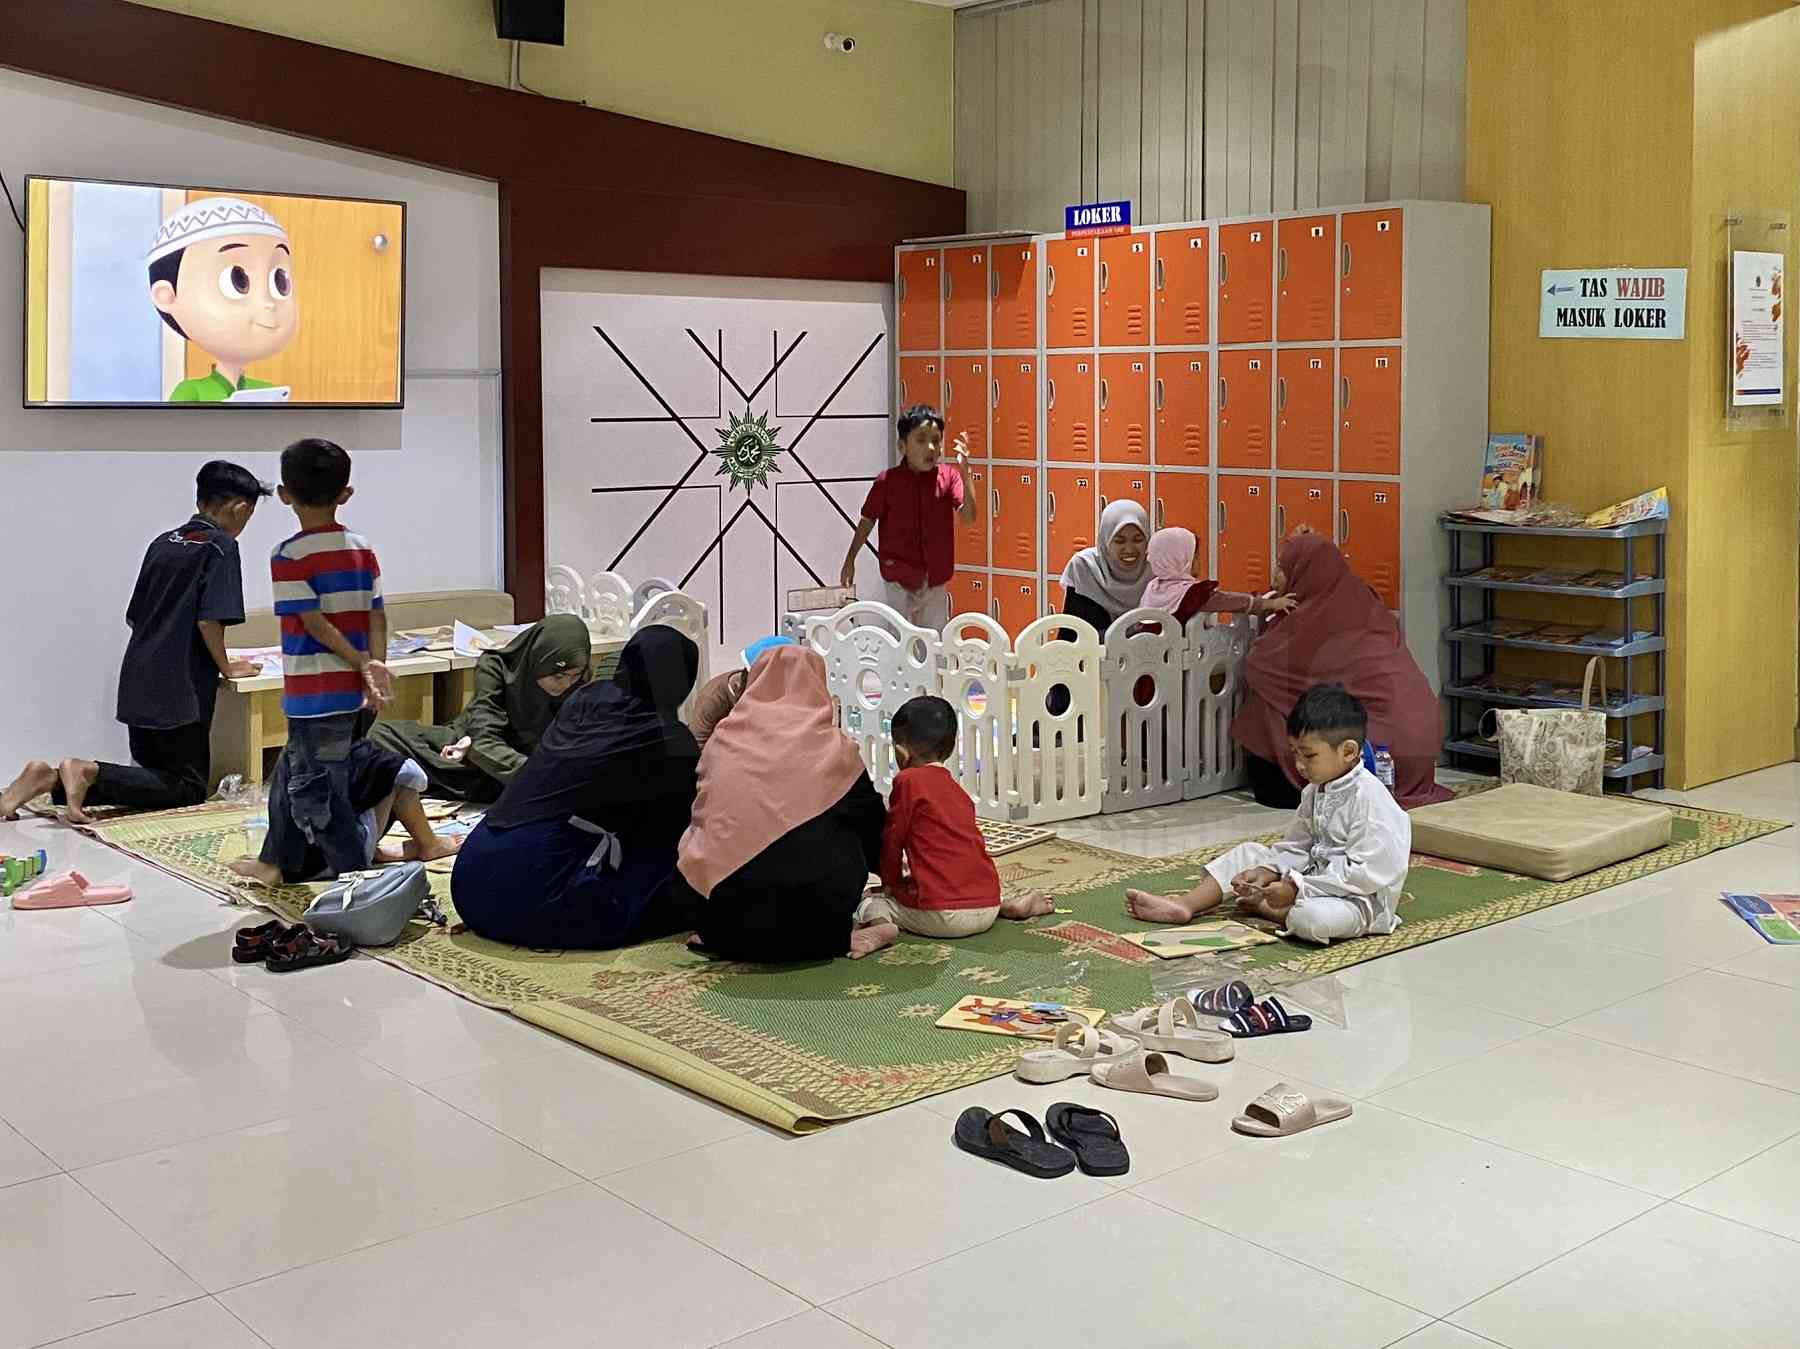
x=803 y=1045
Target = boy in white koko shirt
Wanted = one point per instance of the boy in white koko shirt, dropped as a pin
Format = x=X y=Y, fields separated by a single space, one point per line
x=1338 y=871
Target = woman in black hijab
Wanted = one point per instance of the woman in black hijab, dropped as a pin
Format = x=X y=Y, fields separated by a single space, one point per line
x=586 y=832
x=518 y=689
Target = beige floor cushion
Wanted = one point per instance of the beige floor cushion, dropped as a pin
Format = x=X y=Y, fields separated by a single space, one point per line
x=1537 y=832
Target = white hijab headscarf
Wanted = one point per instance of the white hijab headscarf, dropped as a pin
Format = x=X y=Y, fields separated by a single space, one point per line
x=1093 y=572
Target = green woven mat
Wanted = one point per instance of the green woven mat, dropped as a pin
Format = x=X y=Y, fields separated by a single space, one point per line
x=800 y=1046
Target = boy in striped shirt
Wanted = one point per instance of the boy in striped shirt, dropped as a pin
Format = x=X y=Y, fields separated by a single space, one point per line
x=328 y=598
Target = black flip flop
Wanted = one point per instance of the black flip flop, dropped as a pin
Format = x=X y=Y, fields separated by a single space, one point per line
x=988 y=1135
x=1092 y=1135
x=1223 y=1000
x=1267 y=1017
x=253 y=944
x=309 y=949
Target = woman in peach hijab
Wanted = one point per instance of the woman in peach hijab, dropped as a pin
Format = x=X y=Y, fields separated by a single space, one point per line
x=786 y=825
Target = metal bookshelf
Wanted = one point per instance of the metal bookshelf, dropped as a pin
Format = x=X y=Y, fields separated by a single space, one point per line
x=1472 y=603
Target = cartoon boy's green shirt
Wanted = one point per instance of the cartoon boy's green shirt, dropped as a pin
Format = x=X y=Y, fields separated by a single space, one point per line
x=213 y=388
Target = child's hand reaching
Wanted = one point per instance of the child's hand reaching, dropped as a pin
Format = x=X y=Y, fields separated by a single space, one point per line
x=1277 y=604
x=379 y=680
x=960 y=449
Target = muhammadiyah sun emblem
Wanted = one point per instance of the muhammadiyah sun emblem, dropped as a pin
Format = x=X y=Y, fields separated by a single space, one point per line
x=748 y=451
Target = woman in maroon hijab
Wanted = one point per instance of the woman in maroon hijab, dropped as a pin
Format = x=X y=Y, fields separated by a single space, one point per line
x=1340 y=633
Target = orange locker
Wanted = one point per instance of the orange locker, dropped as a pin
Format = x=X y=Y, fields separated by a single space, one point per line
x=1053 y=597
x=1015 y=408
x=972 y=540
x=1013 y=504
x=1369 y=409
x=1125 y=290
x=1246 y=281
x=1124 y=484
x=1015 y=603
x=1370 y=274
x=1298 y=501
x=1069 y=408
x=1305 y=259
x=1303 y=409
x=1014 y=295
x=1069 y=496
x=1184 y=499
x=1183 y=400
x=920 y=382
x=1369 y=535
x=965 y=298
x=1246 y=384
x=966 y=385
x=968 y=593
x=1125 y=407
x=1183 y=286
x=920 y=290
x=1069 y=292
x=1245 y=514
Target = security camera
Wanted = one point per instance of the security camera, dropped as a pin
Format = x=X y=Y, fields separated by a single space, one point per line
x=840 y=42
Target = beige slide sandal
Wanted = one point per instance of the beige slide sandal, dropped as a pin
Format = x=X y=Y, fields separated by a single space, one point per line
x=1281 y=1111
x=1148 y=1071
x=1174 y=1028
x=1078 y=1048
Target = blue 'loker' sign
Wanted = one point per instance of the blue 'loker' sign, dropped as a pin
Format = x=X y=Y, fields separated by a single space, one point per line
x=1097 y=217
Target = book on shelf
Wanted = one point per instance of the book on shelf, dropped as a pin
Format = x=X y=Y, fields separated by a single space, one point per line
x=1616 y=636
x=1563 y=634
x=1503 y=627
x=1512 y=472
x=1651 y=505
x=1603 y=579
x=1499 y=571
x=1555 y=576
x=1507 y=685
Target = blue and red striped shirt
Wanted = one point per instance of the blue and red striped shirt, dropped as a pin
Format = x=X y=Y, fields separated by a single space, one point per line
x=334 y=572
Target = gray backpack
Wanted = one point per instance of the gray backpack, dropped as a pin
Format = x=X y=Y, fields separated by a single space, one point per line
x=372 y=908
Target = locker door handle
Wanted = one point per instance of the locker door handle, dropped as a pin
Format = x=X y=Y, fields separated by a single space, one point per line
x=1345 y=401
x=1281 y=393
x=994 y=497
x=1159 y=395
x=1104 y=503
x=1221 y=517
x=1159 y=513
x=1281 y=265
x=1104 y=275
x=994 y=286
x=1221 y=393
x=1052 y=386
x=1343 y=526
x=902 y=288
x=904 y=400
x=1103 y=395
x=1051 y=498
x=948 y=278
x=1346 y=257
x=995 y=395
x=948 y=387
x=1223 y=269
x=1162 y=280
x=1281 y=522
x=1050 y=281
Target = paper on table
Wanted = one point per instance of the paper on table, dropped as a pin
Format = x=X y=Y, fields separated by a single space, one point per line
x=466 y=641
x=511 y=629
x=268 y=657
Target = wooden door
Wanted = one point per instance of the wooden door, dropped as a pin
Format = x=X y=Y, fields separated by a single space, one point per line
x=1183 y=398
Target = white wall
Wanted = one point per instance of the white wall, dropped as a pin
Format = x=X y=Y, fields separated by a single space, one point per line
x=1204 y=108
x=83 y=492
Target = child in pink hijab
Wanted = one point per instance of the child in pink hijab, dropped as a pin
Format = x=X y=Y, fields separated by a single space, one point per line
x=1176 y=585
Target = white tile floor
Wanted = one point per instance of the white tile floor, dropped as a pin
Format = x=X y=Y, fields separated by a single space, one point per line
x=1582 y=1127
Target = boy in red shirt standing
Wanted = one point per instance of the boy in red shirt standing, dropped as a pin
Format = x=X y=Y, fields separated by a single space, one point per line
x=918 y=503
x=954 y=890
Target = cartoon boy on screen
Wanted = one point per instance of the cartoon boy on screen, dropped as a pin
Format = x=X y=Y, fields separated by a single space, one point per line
x=222 y=276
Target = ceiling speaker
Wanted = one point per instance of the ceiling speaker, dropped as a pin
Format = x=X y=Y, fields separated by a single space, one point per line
x=529 y=21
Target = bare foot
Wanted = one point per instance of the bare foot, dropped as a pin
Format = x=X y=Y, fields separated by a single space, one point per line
x=1031 y=904
x=1141 y=904
x=36 y=778
x=77 y=778
x=441 y=846
x=263 y=873
x=867 y=940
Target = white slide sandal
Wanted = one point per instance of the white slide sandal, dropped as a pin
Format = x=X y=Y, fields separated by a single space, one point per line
x=1174 y=1028
x=1077 y=1049
x=1149 y=1072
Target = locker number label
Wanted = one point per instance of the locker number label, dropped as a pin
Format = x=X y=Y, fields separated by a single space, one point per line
x=1316 y=364
x=1381 y=362
x=1137 y=367
x=1381 y=498
x=1253 y=490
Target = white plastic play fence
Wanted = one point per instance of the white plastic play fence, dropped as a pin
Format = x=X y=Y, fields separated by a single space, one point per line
x=1050 y=729
x=612 y=608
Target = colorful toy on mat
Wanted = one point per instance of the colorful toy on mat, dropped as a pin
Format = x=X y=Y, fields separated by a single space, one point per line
x=18 y=871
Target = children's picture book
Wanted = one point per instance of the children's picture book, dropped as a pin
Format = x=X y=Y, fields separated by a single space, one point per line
x=1021 y=1020
x=1776 y=918
x=1562 y=634
x=1615 y=636
x=1500 y=571
x=467 y=641
x=1602 y=579
x=1510 y=477
x=1504 y=627
x=1555 y=576
x=1199 y=939
x=1651 y=505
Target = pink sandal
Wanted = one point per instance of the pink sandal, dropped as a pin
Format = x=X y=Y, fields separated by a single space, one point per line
x=70 y=890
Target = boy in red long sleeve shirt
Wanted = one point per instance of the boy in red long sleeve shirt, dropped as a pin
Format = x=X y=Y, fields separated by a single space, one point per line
x=954 y=890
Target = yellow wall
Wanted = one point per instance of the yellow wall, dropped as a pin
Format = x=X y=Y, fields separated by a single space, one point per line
x=753 y=70
x=1582 y=135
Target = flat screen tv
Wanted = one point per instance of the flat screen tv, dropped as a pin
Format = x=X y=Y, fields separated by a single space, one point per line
x=146 y=295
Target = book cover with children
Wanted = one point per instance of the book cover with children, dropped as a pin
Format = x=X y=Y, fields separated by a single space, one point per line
x=1510 y=477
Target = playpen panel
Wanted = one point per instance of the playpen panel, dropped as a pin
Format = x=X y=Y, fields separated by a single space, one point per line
x=874 y=661
x=1143 y=698
x=1057 y=770
x=1214 y=688
x=973 y=679
x=610 y=606
x=565 y=592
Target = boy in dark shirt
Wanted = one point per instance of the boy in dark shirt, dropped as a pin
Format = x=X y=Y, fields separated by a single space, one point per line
x=189 y=590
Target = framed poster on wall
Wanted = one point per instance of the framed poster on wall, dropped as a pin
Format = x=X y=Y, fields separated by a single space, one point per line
x=1757 y=304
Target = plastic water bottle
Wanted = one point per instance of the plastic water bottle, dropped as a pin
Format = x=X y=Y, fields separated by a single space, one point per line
x=1384 y=767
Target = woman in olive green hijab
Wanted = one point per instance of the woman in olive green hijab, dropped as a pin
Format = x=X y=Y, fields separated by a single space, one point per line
x=518 y=689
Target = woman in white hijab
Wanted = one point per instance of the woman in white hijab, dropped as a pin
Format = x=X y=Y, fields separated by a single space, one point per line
x=1107 y=580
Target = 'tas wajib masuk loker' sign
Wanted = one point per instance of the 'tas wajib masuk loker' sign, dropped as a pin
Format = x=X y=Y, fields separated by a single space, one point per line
x=1646 y=304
